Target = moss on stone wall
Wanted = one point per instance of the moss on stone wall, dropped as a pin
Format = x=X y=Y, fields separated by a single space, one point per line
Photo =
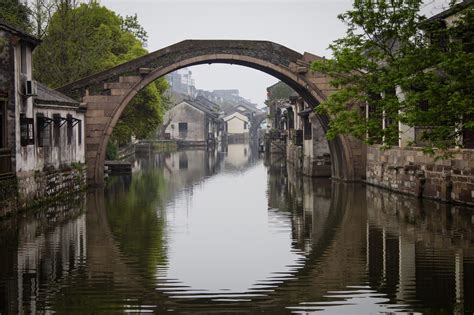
x=41 y=189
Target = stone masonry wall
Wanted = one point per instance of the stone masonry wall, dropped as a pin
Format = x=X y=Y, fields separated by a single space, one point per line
x=294 y=155
x=412 y=172
x=8 y=195
x=313 y=166
x=37 y=188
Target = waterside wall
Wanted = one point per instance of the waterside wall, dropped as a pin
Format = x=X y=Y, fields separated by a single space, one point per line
x=32 y=189
x=412 y=172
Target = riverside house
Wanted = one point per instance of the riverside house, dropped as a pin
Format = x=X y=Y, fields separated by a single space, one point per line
x=194 y=123
x=41 y=130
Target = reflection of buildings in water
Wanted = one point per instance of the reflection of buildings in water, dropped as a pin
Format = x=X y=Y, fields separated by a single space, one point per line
x=239 y=156
x=185 y=168
x=403 y=252
x=45 y=249
x=308 y=199
x=419 y=252
x=419 y=255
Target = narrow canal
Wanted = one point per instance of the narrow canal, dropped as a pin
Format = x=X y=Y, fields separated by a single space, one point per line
x=204 y=231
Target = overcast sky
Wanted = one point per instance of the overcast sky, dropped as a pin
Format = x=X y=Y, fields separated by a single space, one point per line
x=302 y=25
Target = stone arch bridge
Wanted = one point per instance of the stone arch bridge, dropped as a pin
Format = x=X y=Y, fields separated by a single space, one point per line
x=107 y=93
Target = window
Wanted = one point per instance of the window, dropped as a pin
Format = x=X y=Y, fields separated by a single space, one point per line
x=307 y=129
x=79 y=132
x=69 y=128
x=26 y=130
x=43 y=125
x=375 y=114
x=290 y=118
x=245 y=126
x=183 y=129
x=3 y=123
x=57 y=129
x=183 y=161
x=24 y=64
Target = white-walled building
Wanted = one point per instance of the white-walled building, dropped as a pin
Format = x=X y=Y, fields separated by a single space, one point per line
x=237 y=125
x=193 y=122
x=41 y=130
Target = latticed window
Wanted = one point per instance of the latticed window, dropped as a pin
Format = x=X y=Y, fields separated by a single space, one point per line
x=43 y=126
x=79 y=132
x=26 y=130
x=69 y=128
x=57 y=129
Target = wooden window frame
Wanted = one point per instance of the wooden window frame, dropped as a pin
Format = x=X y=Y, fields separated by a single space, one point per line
x=27 y=130
x=57 y=129
x=70 y=127
x=43 y=127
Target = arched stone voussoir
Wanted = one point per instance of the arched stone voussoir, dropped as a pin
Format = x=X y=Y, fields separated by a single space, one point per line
x=110 y=91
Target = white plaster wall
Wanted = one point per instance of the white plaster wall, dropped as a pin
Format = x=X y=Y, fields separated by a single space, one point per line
x=320 y=144
x=235 y=123
x=238 y=154
x=407 y=133
x=195 y=118
x=33 y=158
x=196 y=168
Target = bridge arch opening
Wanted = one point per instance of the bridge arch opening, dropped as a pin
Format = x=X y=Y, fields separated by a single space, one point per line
x=109 y=92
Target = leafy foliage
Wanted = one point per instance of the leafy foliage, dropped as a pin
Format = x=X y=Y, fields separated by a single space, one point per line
x=145 y=110
x=131 y=25
x=84 y=39
x=15 y=13
x=279 y=91
x=406 y=68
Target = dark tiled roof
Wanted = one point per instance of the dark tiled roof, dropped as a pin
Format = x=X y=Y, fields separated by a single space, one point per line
x=52 y=97
x=17 y=31
x=203 y=107
x=209 y=104
x=453 y=10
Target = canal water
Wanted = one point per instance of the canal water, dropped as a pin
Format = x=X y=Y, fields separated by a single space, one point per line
x=202 y=231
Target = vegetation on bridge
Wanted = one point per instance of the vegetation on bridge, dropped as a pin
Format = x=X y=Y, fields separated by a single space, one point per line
x=391 y=47
x=82 y=39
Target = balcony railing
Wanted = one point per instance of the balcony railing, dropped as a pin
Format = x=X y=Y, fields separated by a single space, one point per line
x=5 y=163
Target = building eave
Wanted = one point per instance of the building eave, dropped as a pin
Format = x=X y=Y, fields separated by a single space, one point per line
x=20 y=33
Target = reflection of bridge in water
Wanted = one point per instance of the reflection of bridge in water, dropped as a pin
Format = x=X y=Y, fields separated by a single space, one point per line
x=357 y=240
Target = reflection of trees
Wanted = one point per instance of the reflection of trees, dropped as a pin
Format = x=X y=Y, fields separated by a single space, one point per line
x=135 y=213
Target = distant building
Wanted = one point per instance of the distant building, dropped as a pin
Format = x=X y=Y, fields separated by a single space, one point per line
x=297 y=131
x=182 y=82
x=193 y=122
x=228 y=99
x=237 y=126
x=41 y=130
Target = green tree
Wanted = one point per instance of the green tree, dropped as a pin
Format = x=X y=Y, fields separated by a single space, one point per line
x=84 y=39
x=131 y=24
x=15 y=13
x=393 y=59
x=145 y=111
x=279 y=91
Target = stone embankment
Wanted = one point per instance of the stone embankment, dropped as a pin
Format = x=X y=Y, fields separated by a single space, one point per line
x=34 y=189
x=412 y=172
